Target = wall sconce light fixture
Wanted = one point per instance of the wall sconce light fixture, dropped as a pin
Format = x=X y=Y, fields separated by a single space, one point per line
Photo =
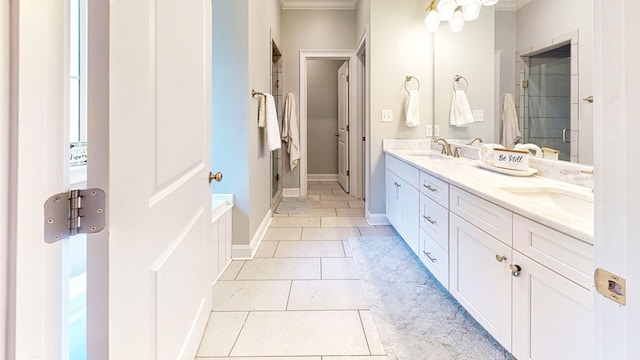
x=456 y=12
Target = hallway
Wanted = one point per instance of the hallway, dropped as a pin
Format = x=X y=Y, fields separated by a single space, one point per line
x=300 y=297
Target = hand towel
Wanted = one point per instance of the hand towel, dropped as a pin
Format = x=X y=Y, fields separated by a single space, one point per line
x=273 y=130
x=412 y=109
x=460 y=114
x=538 y=152
x=510 y=130
x=262 y=111
x=290 y=132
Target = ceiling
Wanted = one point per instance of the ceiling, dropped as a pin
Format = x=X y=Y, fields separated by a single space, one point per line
x=352 y=4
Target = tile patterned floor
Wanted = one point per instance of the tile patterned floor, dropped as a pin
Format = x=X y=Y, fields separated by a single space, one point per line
x=300 y=297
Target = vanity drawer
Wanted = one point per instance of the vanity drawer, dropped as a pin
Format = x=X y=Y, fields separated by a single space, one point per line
x=434 y=188
x=405 y=171
x=434 y=220
x=491 y=218
x=559 y=252
x=435 y=258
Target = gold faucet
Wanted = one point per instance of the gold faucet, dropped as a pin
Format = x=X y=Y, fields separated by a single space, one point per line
x=446 y=148
x=474 y=140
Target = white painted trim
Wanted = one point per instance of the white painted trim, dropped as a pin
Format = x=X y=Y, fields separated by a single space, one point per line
x=322 y=177
x=291 y=192
x=306 y=55
x=377 y=218
x=5 y=100
x=246 y=252
x=189 y=348
x=358 y=120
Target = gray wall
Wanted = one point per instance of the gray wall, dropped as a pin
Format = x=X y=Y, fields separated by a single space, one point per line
x=399 y=46
x=311 y=30
x=322 y=116
x=241 y=62
x=505 y=42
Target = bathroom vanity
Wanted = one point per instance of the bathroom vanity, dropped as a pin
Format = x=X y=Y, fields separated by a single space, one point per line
x=516 y=252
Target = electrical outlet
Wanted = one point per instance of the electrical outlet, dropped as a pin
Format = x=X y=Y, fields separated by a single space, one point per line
x=387 y=115
x=478 y=115
x=429 y=130
x=436 y=131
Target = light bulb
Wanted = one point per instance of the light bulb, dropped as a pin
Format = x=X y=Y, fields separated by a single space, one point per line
x=446 y=9
x=489 y=2
x=471 y=10
x=456 y=23
x=432 y=21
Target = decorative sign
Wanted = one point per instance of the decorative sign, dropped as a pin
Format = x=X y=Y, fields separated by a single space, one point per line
x=78 y=154
x=511 y=159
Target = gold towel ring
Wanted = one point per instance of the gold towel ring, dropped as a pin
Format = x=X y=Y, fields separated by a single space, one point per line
x=407 y=79
x=456 y=80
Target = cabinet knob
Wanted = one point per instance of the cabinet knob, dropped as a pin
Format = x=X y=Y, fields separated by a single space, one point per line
x=501 y=258
x=515 y=270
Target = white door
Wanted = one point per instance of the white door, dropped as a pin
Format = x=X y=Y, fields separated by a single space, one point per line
x=38 y=170
x=343 y=126
x=153 y=269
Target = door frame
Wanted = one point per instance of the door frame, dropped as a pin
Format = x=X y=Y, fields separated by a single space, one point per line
x=356 y=130
x=5 y=75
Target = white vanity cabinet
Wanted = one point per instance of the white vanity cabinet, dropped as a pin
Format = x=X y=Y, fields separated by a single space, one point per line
x=403 y=200
x=434 y=227
x=552 y=300
x=480 y=276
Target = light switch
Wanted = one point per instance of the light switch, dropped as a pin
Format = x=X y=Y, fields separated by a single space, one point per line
x=387 y=115
x=436 y=130
x=429 y=130
x=478 y=115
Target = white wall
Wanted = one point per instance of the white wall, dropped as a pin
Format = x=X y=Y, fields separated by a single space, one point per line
x=469 y=53
x=4 y=169
x=322 y=116
x=399 y=46
x=311 y=30
x=538 y=23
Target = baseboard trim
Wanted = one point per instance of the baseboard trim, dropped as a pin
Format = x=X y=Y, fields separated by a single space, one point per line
x=322 y=177
x=246 y=252
x=377 y=218
x=291 y=192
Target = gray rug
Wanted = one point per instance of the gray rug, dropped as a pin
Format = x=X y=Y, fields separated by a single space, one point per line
x=293 y=205
x=416 y=317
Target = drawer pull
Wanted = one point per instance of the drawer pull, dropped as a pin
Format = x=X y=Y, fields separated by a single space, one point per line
x=501 y=258
x=429 y=219
x=428 y=255
x=430 y=187
x=515 y=270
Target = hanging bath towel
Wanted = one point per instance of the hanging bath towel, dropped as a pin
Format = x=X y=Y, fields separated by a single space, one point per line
x=510 y=130
x=412 y=110
x=262 y=111
x=290 y=132
x=460 y=114
x=273 y=130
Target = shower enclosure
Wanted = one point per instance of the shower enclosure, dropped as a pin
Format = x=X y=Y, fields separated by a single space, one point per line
x=276 y=155
x=547 y=121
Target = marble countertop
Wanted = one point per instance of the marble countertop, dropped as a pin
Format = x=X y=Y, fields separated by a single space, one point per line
x=464 y=173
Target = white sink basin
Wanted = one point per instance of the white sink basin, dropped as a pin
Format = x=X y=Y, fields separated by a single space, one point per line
x=426 y=153
x=576 y=204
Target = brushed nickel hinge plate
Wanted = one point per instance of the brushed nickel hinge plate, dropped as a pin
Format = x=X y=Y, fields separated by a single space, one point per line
x=74 y=212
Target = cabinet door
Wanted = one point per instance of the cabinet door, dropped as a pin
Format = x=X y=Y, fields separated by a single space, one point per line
x=410 y=216
x=394 y=201
x=552 y=316
x=480 y=279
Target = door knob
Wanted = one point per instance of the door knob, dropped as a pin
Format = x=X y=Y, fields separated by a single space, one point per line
x=217 y=176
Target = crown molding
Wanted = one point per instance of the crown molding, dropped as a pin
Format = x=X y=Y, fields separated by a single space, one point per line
x=318 y=4
x=511 y=5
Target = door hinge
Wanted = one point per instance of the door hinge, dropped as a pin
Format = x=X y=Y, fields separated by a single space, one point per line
x=74 y=212
x=347 y=78
x=525 y=84
x=347 y=128
x=347 y=172
x=364 y=138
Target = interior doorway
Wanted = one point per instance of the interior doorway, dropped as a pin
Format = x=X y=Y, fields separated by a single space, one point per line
x=277 y=167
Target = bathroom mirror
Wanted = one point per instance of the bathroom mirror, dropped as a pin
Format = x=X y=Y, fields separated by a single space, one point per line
x=538 y=50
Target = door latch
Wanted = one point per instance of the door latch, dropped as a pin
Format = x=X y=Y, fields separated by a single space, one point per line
x=611 y=286
x=74 y=212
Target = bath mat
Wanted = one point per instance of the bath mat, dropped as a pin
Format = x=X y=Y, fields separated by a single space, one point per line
x=416 y=317
x=293 y=205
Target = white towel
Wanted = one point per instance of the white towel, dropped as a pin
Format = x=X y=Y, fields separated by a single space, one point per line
x=290 y=132
x=510 y=130
x=262 y=111
x=412 y=109
x=273 y=130
x=460 y=114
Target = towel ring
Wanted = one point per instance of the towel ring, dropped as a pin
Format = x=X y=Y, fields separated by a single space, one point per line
x=407 y=79
x=456 y=79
